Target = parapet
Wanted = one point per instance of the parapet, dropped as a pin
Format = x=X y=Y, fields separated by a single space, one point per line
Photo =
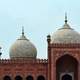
x=23 y=61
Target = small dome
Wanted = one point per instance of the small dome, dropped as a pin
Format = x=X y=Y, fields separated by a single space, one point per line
x=23 y=48
x=65 y=35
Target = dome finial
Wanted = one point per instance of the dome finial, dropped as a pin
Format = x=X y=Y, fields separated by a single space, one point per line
x=22 y=30
x=65 y=17
x=66 y=25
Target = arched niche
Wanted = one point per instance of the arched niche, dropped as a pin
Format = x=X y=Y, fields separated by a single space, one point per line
x=41 y=77
x=18 y=77
x=67 y=64
x=29 y=77
x=67 y=76
x=6 y=78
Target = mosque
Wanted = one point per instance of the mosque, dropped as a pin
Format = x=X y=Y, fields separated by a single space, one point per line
x=63 y=61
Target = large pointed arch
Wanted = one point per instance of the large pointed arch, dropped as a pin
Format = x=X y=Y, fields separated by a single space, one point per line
x=67 y=64
x=67 y=55
x=59 y=55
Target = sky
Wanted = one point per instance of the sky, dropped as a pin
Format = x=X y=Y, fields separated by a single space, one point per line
x=39 y=18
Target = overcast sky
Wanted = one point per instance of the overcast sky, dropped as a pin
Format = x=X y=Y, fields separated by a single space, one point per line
x=39 y=18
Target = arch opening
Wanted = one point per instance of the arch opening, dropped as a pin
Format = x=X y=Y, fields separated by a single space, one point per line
x=66 y=77
x=7 y=78
x=29 y=78
x=67 y=64
x=18 y=78
x=41 y=78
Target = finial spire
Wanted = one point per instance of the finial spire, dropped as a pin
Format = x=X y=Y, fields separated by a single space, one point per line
x=0 y=53
x=22 y=37
x=22 y=30
x=65 y=17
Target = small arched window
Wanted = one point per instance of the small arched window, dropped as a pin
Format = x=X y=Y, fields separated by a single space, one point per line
x=40 y=77
x=29 y=78
x=18 y=78
x=66 y=77
x=6 y=78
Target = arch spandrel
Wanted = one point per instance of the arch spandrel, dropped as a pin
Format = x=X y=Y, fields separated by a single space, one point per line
x=59 y=55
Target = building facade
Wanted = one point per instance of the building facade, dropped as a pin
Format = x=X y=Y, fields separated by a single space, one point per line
x=63 y=61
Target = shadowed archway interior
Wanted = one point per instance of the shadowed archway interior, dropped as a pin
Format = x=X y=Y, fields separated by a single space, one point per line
x=18 y=78
x=66 y=64
x=41 y=78
x=66 y=77
x=29 y=78
x=7 y=78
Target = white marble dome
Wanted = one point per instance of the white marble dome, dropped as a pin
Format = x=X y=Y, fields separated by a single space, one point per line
x=23 y=48
x=65 y=35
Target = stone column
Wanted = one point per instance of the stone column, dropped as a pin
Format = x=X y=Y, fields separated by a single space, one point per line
x=53 y=66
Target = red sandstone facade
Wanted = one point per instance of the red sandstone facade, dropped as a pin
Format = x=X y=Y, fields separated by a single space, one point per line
x=23 y=68
x=63 y=60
